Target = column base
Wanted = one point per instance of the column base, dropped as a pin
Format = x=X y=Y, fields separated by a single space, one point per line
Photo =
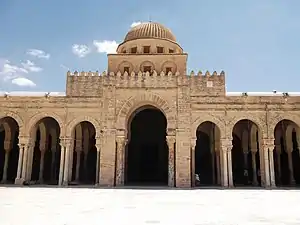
x=19 y=181
x=65 y=183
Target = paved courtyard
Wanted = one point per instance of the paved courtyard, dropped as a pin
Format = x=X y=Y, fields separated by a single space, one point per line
x=72 y=206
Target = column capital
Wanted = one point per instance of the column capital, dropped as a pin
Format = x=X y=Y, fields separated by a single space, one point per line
x=121 y=142
x=226 y=144
x=120 y=139
x=24 y=140
x=171 y=139
x=66 y=142
x=193 y=142
x=268 y=144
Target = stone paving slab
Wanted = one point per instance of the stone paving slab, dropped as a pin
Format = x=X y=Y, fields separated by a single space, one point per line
x=74 y=206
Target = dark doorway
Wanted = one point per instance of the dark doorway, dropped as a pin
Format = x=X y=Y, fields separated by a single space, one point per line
x=147 y=150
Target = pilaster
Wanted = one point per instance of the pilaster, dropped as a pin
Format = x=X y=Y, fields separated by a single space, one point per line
x=183 y=158
x=108 y=158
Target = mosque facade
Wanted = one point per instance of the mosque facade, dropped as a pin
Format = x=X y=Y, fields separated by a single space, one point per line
x=145 y=121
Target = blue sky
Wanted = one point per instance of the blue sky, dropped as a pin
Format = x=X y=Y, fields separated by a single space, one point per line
x=257 y=42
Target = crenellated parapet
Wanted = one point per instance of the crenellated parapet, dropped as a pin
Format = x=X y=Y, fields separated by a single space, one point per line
x=207 y=84
x=92 y=83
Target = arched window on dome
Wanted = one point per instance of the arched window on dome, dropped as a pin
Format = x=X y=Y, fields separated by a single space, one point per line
x=146 y=49
x=160 y=49
x=171 y=50
x=134 y=50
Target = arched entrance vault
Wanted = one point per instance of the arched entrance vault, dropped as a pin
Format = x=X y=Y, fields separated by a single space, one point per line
x=83 y=155
x=246 y=153
x=9 y=149
x=286 y=154
x=44 y=152
x=207 y=168
x=136 y=102
x=146 y=152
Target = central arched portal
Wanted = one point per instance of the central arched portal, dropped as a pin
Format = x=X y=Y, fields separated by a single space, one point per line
x=147 y=149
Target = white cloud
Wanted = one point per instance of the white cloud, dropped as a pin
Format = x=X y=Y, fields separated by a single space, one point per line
x=15 y=74
x=9 y=71
x=106 y=46
x=134 y=24
x=81 y=50
x=23 y=82
x=30 y=66
x=38 y=53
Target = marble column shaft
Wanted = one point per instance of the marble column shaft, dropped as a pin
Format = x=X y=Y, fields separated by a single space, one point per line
x=171 y=171
x=120 y=163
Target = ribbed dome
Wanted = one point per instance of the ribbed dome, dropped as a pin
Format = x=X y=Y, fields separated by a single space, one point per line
x=149 y=30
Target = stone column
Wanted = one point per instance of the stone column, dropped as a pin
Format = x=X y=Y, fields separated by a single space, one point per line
x=98 y=146
x=213 y=155
x=193 y=169
x=42 y=160
x=25 y=162
x=20 y=163
x=229 y=161
x=120 y=162
x=254 y=170
x=226 y=166
x=7 y=149
x=272 y=172
x=224 y=162
x=67 y=146
x=291 y=168
x=29 y=160
x=245 y=153
x=71 y=160
x=266 y=145
x=278 y=163
x=171 y=171
x=218 y=167
x=53 y=166
x=62 y=162
x=78 y=150
x=86 y=149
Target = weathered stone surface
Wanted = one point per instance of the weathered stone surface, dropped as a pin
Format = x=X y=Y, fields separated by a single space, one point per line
x=109 y=100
